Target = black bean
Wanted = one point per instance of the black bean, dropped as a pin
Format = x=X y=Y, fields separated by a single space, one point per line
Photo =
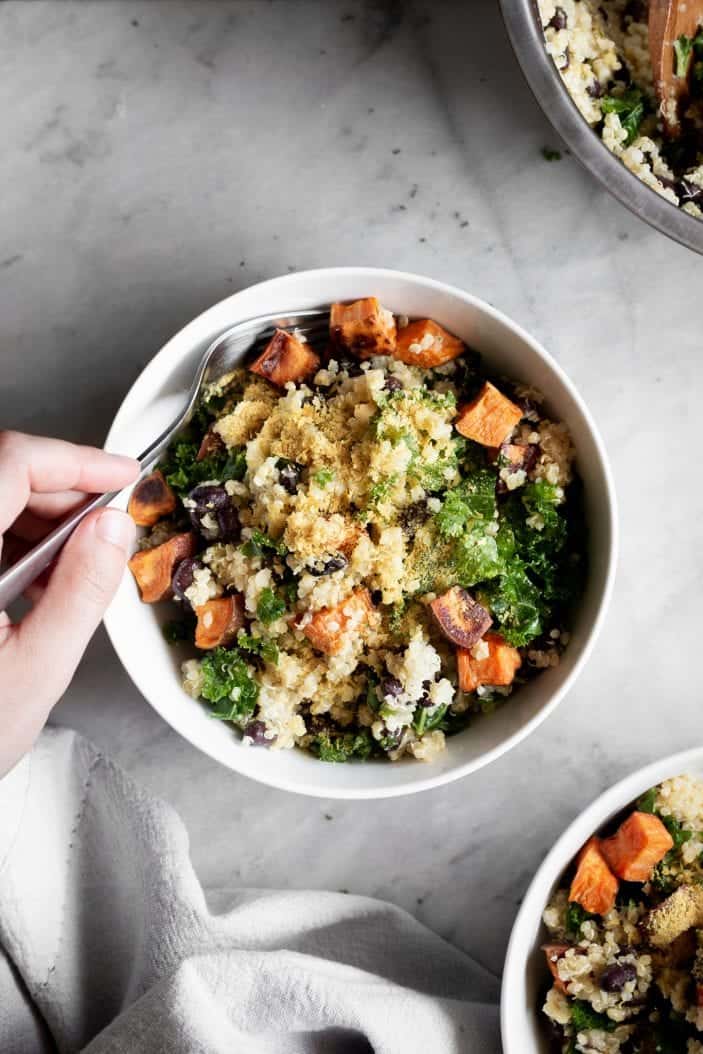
x=256 y=730
x=595 y=89
x=227 y=523
x=616 y=977
x=392 y=384
x=183 y=575
x=209 y=496
x=333 y=563
x=391 y=686
x=376 y=596
x=559 y=20
x=289 y=476
x=413 y=517
x=688 y=191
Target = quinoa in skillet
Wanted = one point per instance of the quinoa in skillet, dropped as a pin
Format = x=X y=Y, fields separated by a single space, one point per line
x=369 y=545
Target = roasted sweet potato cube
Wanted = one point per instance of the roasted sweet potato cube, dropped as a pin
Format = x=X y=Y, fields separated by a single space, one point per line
x=285 y=358
x=151 y=499
x=211 y=444
x=219 y=621
x=153 y=568
x=328 y=627
x=425 y=343
x=461 y=618
x=489 y=418
x=637 y=846
x=498 y=667
x=553 y=953
x=594 y=885
x=363 y=328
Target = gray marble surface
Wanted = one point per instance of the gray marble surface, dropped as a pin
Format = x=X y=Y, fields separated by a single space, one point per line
x=158 y=156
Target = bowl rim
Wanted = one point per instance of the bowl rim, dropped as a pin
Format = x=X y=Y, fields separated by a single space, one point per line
x=275 y=286
x=521 y=944
x=521 y=21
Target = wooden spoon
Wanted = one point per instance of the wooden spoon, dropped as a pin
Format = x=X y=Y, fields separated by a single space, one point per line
x=668 y=20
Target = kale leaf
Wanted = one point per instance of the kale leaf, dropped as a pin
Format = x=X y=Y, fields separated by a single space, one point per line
x=336 y=746
x=630 y=109
x=575 y=918
x=266 y=649
x=269 y=607
x=260 y=542
x=584 y=1017
x=228 y=686
x=183 y=471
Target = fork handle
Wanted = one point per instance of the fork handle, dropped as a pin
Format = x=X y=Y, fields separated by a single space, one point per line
x=16 y=579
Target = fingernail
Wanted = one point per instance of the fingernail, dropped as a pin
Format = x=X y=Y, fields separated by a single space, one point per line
x=115 y=527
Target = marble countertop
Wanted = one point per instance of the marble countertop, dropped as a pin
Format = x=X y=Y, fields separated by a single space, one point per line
x=158 y=156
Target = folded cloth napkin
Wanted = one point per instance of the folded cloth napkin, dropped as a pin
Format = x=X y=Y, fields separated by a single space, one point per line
x=107 y=941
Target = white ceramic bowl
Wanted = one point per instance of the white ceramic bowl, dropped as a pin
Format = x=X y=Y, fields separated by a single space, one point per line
x=152 y=403
x=525 y=978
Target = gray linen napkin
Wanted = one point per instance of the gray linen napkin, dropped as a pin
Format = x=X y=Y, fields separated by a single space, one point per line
x=107 y=942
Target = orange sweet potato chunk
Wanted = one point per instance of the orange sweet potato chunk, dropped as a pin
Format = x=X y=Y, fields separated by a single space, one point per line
x=594 y=885
x=425 y=343
x=637 y=846
x=461 y=618
x=553 y=953
x=489 y=418
x=328 y=627
x=363 y=328
x=499 y=667
x=219 y=621
x=285 y=358
x=151 y=499
x=153 y=568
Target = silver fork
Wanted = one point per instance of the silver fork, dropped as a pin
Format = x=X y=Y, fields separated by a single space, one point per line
x=222 y=355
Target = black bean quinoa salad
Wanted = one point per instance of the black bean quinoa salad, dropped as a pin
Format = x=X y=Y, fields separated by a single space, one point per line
x=625 y=950
x=368 y=545
x=601 y=49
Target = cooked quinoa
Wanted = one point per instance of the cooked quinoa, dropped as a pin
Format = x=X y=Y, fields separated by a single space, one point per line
x=601 y=49
x=629 y=978
x=353 y=540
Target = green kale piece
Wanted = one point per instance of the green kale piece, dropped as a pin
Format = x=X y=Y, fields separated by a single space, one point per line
x=260 y=542
x=584 y=1017
x=471 y=503
x=677 y=831
x=645 y=803
x=228 y=685
x=269 y=607
x=337 y=746
x=423 y=721
x=183 y=471
x=575 y=918
x=516 y=603
x=683 y=47
x=630 y=109
x=323 y=477
x=267 y=649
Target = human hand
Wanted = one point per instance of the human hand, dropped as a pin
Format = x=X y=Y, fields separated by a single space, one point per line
x=41 y=480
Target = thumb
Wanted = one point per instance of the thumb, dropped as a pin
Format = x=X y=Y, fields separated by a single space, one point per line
x=54 y=635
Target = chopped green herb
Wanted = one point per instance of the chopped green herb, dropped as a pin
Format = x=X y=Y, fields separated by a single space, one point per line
x=550 y=154
x=228 y=685
x=630 y=109
x=645 y=803
x=677 y=831
x=683 y=47
x=260 y=542
x=575 y=918
x=323 y=477
x=269 y=607
x=584 y=1017
x=336 y=746
x=267 y=649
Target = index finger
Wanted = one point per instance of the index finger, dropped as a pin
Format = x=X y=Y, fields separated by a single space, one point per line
x=32 y=464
